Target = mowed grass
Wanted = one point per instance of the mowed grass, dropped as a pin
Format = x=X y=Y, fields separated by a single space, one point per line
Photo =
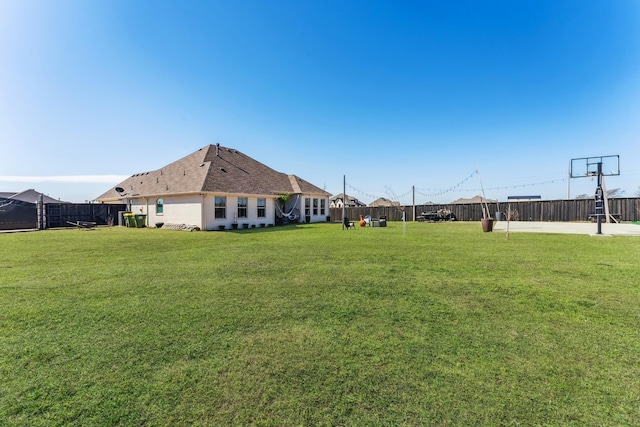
x=435 y=324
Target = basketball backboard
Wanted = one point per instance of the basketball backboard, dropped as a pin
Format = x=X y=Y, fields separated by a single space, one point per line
x=588 y=166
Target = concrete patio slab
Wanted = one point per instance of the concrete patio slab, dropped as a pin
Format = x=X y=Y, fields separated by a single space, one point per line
x=588 y=228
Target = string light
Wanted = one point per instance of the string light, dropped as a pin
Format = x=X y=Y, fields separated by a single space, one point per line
x=441 y=192
x=456 y=188
x=535 y=184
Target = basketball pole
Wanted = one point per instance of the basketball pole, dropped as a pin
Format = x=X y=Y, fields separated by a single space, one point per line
x=599 y=199
x=344 y=197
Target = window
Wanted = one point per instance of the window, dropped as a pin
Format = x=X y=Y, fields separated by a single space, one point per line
x=262 y=208
x=221 y=207
x=307 y=207
x=159 y=206
x=242 y=207
x=322 y=206
x=315 y=206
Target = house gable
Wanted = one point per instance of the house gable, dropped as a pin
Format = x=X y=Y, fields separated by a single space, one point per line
x=31 y=196
x=383 y=202
x=339 y=200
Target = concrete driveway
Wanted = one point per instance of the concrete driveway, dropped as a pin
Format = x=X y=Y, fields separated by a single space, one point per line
x=589 y=228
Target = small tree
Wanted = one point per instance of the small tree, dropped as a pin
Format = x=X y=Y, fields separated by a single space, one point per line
x=512 y=215
x=615 y=192
x=282 y=198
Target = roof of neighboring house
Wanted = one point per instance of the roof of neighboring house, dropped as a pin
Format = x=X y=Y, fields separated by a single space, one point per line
x=212 y=169
x=475 y=199
x=524 y=197
x=349 y=200
x=31 y=196
x=383 y=202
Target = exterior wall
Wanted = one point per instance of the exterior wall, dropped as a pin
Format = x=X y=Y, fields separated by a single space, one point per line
x=231 y=217
x=176 y=210
x=314 y=213
x=199 y=210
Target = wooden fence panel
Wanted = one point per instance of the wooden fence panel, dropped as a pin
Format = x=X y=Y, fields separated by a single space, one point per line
x=537 y=210
x=16 y=214
x=57 y=214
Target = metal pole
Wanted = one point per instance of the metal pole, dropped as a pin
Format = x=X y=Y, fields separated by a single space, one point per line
x=413 y=191
x=41 y=218
x=344 y=197
x=599 y=199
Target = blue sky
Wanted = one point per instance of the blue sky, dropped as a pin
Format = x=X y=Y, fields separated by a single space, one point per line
x=393 y=95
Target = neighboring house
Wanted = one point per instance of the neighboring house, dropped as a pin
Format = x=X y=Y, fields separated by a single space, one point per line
x=475 y=199
x=347 y=201
x=20 y=211
x=523 y=198
x=31 y=196
x=382 y=202
x=217 y=187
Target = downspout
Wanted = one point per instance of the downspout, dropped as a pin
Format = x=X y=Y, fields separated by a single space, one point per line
x=41 y=214
x=203 y=213
x=344 y=198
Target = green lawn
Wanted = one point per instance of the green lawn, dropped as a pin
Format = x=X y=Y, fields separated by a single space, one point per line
x=438 y=324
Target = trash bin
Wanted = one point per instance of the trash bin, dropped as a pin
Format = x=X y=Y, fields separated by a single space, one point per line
x=498 y=216
x=129 y=219
x=141 y=220
x=121 y=218
x=487 y=224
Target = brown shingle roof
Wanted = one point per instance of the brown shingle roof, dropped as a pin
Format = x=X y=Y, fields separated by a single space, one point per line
x=31 y=196
x=212 y=169
x=475 y=199
x=381 y=201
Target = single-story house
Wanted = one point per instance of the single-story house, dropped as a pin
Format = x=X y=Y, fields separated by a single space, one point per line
x=217 y=187
x=523 y=198
x=347 y=201
x=475 y=199
x=383 y=202
x=30 y=196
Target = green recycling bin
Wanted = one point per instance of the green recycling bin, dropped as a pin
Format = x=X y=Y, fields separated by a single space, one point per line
x=129 y=220
x=141 y=220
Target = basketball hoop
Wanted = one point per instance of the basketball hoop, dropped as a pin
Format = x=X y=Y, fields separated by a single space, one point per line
x=594 y=167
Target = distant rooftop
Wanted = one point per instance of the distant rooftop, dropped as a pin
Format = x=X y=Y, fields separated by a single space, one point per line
x=31 y=196
x=524 y=197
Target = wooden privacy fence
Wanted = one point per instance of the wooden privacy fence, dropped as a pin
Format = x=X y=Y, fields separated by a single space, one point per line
x=16 y=214
x=57 y=214
x=538 y=210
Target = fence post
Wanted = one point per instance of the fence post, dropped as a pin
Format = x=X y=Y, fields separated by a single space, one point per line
x=40 y=213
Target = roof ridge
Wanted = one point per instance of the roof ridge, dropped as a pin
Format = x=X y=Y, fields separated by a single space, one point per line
x=294 y=184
